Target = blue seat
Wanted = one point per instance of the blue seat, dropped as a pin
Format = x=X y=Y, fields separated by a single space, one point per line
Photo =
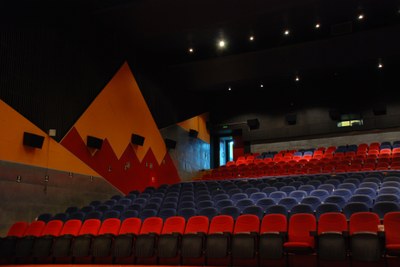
x=383 y=207
x=157 y=200
x=144 y=214
x=257 y=196
x=71 y=210
x=353 y=207
x=287 y=189
x=338 y=200
x=322 y=194
x=202 y=198
x=78 y=215
x=129 y=214
x=45 y=217
x=314 y=202
x=298 y=195
x=116 y=197
x=95 y=203
x=204 y=204
x=219 y=197
x=346 y=193
x=334 y=182
x=103 y=207
x=296 y=184
x=170 y=199
x=354 y=181
x=169 y=205
x=391 y=179
x=328 y=187
x=387 y=197
x=307 y=187
x=87 y=209
x=187 y=204
x=60 y=216
x=269 y=189
x=288 y=202
x=141 y=201
x=137 y=207
x=301 y=208
x=172 y=194
x=314 y=183
x=277 y=209
x=187 y=213
x=209 y=212
x=238 y=196
x=224 y=203
x=264 y=203
x=350 y=186
x=186 y=198
x=110 y=202
x=255 y=210
x=252 y=190
x=390 y=184
x=152 y=206
x=234 y=191
x=94 y=215
x=325 y=208
x=369 y=185
x=166 y=213
x=243 y=203
x=372 y=180
x=389 y=190
x=366 y=191
x=278 y=185
x=361 y=198
x=111 y=214
x=124 y=201
x=277 y=196
x=232 y=211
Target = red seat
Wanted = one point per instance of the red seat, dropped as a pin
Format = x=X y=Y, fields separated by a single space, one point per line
x=169 y=241
x=147 y=239
x=8 y=243
x=42 y=246
x=244 y=240
x=331 y=238
x=365 y=245
x=80 y=249
x=102 y=243
x=123 y=243
x=193 y=240
x=25 y=243
x=299 y=238
x=62 y=244
x=273 y=232
x=219 y=234
x=391 y=221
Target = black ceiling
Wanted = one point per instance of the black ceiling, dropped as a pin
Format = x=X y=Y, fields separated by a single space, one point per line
x=337 y=63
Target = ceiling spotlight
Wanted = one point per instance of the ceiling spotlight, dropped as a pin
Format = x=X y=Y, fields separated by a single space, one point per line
x=221 y=44
x=380 y=66
x=361 y=16
x=191 y=50
x=286 y=32
x=251 y=38
x=229 y=89
x=317 y=25
x=297 y=78
x=261 y=85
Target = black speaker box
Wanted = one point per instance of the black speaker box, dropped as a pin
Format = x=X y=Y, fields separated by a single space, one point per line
x=193 y=133
x=94 y=142
x=33 y=140
x=379 y=109
x=291 y=119
x=137 y=139
x=169 y=143
x=253 y=124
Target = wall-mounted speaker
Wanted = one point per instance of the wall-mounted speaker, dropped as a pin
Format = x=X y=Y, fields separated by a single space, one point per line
x=291 y=119
x=379 y=109
x=137 y=139
x=94 y=142
x=253 y=124
x=33 y=140
x=193 y=133
x=169 y=143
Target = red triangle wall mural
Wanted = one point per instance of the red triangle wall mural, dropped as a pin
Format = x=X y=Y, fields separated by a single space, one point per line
x=117 y=112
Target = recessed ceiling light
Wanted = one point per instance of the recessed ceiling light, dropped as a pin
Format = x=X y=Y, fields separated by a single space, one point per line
x=361 y=16
x=229 y=89
x=221 y=43
x=286 y=32
x=261 y=85
x=251 y=38
x=380 y=65
x=317 y=25
x=297 y=78
x=191 y=50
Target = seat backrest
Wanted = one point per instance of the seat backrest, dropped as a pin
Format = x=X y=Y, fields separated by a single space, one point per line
x=110 y=226
x=210 y=212
x=71 y=227
x=232 y=211
x=273 y=223
x=350 y=208
x=152 y=225
x=364 y=222
x=90 y=226
x=247 y=223
x=18 y=229
x=35 y=228
x=53 y=228
x=197 y=224
x=130 y=225
x=332 y=222
x=46 y=217
x=391 y=221
x=383 y=207
x=221 y=223
x=300 y=226
x=175 y=224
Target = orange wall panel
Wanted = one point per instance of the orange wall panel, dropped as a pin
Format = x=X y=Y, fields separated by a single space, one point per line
x=198 y=123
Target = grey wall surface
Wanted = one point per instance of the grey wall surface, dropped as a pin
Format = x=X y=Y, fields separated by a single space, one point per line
x=190 y=154
x=25 y=200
